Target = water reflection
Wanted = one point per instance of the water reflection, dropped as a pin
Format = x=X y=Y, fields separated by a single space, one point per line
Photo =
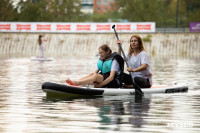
x=119 y=112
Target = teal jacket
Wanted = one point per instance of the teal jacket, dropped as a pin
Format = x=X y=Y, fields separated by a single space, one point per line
x=105 y=65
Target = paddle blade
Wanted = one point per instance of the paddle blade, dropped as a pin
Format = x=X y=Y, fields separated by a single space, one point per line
x=138 y=90
x=113 y=26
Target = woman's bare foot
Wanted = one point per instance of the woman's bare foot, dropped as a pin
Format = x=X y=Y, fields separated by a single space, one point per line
x=69 y=82
x=75 y=83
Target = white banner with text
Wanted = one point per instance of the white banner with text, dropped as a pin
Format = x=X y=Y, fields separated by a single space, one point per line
x=77 y=27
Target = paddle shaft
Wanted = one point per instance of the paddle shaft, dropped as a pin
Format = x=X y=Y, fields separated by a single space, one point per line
x=121 y=49
x=137 y=88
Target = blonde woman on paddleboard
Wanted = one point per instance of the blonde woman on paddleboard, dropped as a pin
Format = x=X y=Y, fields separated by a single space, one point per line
x=138 y=60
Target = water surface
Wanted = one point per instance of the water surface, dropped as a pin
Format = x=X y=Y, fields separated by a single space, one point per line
x=24 y=107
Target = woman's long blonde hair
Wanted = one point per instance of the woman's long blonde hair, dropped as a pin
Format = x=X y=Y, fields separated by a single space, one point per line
x=141 y=45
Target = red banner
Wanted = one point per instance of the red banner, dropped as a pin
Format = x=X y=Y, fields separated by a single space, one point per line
x=44 y=27
x=144 y=27
x=23 y=26
x=124 y=27
x=83 y=27
x=103 y=27
x=5 y=27
x=63 y=27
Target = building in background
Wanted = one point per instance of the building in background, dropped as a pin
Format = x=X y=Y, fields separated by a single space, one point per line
x=104 y=6
x=93 y=6
x=87 y=6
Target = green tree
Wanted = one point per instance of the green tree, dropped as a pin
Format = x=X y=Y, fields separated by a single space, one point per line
x=143 y=10
x=100 y=17
x=32 y=11
x=67 y=10
x=193 y=11
x=7 y=11
x=50 y=11
x=163 y=12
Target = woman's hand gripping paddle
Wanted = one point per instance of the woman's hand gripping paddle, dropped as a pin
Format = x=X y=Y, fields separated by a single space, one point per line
x=138 y=91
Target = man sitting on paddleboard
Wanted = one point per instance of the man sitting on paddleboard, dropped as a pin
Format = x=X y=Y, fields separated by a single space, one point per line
x=109 y=70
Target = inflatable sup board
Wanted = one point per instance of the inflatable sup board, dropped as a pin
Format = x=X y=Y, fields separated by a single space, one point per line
x=41 y=59
x=66 y=89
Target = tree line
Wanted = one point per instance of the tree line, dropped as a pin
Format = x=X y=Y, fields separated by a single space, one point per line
x=166 y=13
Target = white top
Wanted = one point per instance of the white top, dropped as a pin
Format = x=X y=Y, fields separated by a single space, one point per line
x=43 y=42
x=114 y=67
x=137 y=61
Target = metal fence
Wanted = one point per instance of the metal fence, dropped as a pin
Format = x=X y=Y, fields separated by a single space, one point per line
x=172 y=30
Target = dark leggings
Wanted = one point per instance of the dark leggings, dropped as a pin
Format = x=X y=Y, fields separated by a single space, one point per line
x=141 y=82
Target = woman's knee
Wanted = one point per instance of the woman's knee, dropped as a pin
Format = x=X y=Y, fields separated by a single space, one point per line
x=90 y=74
x=94 y=75
x=142 y=82
x=98 y=77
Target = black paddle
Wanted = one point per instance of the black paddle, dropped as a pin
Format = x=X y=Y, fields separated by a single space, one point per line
x=138 y=91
